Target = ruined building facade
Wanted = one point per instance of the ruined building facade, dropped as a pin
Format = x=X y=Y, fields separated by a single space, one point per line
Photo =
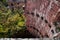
x=42 y=17
x=15 y=3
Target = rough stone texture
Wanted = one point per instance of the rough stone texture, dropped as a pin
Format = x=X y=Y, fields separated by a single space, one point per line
x=41 y=15
x=13 y=4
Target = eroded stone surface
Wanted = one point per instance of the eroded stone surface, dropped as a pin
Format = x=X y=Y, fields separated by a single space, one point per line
x=45 y=12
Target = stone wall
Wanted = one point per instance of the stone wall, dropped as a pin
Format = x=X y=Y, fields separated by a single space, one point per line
x=41 y=15
x=13 y=4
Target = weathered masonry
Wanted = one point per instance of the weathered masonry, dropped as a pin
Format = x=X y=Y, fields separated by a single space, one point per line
x=42 y=17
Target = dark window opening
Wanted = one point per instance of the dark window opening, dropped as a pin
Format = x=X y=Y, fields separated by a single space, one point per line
x=32 y=13
x=18 y=3
x=23 y=8
x=37 y=15
x=52 y=31
x=40 y=33
x=11 y=4
x=35 y=29
x=42 y=18
x=47 y=36
x=49 y=25
x=46 y=21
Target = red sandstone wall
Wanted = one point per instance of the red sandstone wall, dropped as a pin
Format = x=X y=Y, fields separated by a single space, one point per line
x=40 y=15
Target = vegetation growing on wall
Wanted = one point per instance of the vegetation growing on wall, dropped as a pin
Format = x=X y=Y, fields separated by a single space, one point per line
x=10 y=21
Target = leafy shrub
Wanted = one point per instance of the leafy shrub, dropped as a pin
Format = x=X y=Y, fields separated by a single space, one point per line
x=11 y=21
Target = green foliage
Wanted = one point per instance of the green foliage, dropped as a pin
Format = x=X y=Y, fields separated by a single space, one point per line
x=4 y=2
x=57 y=25
x=10 y=22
